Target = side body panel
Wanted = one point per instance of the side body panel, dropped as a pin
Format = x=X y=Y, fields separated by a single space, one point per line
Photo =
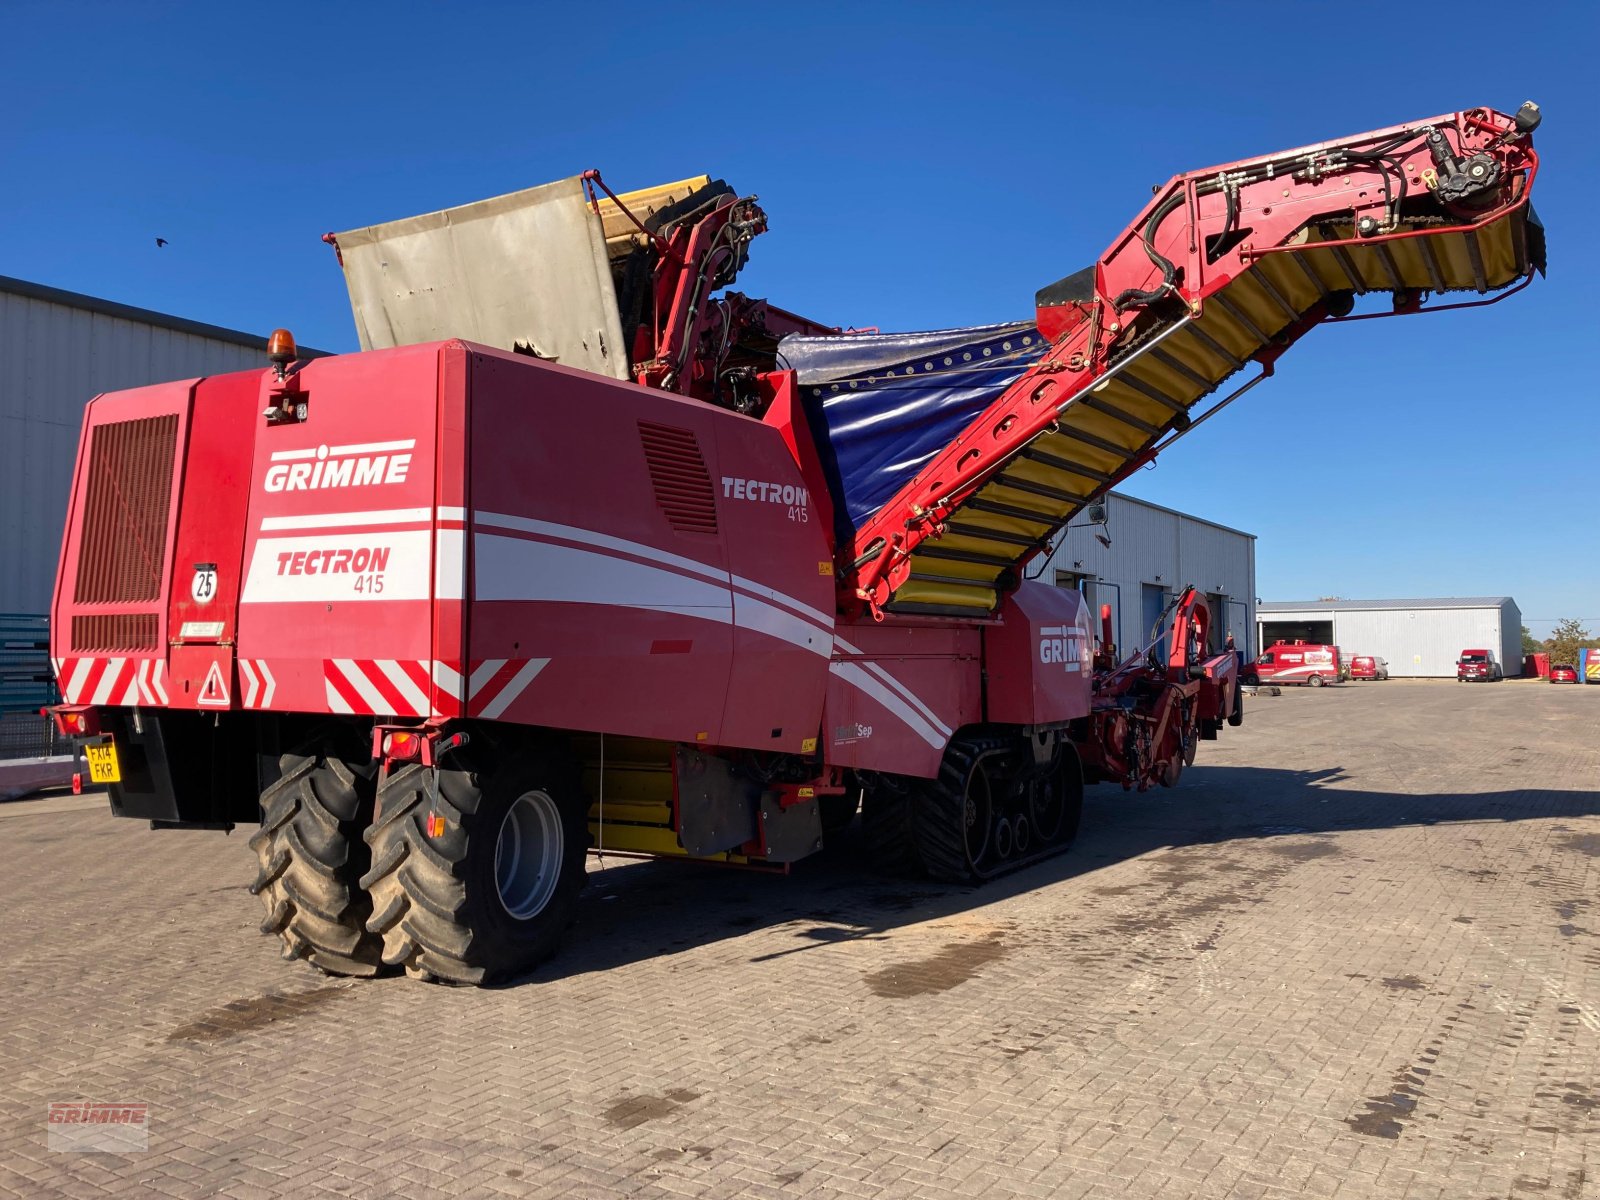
x=640 y=564
x=897 y=692
x=336 y=606
x=206 y=572
x=1037 y=660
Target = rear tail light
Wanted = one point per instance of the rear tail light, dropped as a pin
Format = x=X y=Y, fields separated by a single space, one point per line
x=404 y=746
x=74 y=722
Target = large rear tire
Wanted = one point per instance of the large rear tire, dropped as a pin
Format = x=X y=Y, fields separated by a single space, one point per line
x=475 y=877
x=312 y=857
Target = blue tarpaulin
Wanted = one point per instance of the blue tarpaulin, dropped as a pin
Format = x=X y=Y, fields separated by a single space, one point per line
x=881 y=405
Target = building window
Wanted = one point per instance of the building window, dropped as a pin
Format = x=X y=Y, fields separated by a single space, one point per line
x=1073 y=580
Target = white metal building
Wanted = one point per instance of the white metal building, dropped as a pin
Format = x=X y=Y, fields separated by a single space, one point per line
x=57 y=351
x=1419 y=638
x=1153 y=553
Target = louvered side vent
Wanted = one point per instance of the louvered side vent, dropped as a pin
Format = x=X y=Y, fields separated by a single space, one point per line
x=678 y=474
x=125 y=513
x=114 y=631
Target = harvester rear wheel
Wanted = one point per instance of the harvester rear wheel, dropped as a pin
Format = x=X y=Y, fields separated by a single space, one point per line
x=1056 y=802
x=475 y=876
x=312 y=857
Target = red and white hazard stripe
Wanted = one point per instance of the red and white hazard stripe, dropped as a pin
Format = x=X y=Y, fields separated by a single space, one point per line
x=115 y=682
x=420 y=688
x=259 y=684
x=487 y=690
x=381 y=686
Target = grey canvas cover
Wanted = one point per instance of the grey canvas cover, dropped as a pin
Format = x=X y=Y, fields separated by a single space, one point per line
x=523 y=271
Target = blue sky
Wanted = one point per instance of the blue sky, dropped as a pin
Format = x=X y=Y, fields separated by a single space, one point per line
x=922 y=165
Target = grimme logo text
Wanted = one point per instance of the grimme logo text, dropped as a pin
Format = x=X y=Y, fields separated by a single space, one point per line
x=339 y=466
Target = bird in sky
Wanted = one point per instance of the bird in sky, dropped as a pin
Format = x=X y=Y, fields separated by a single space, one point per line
x=161 y=241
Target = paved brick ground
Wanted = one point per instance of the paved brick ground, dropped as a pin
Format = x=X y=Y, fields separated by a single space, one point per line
x=1354 y=953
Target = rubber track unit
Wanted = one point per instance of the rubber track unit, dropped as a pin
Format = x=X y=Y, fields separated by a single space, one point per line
x=311 y=857
x=937 y=816
x=415 y=883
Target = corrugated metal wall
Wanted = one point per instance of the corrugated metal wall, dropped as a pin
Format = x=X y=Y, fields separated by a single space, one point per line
x=1511 y=637
x=54 y=358
x=1422 y=642
x=1153 y=545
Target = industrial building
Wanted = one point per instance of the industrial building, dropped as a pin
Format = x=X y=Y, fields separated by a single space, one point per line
x=1419 y=638
x=1143 y=554
x=58 y=350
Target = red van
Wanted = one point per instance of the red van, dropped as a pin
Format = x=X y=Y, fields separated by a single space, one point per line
x=1296 y=662
x=1477 y=665
x=1368 y=666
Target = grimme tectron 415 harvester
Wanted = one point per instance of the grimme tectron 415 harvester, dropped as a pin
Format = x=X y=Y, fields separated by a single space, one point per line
x=651 y=566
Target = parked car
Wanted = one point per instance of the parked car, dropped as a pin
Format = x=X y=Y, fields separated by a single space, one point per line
x=1369 y=666
x=1296 y=662
x=1563 y=673
x=1478 y=666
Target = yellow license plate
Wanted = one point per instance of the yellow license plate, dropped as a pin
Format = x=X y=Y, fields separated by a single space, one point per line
x=103 y=765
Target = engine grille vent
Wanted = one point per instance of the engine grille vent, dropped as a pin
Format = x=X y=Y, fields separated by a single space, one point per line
x=114 y=631
x=124 y=542
x=678 y=474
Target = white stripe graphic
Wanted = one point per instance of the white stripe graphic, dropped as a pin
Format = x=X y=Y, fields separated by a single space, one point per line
x=158 y=681
x=364 y=687
x=761 y=589
x=381 y=516
x=409 y=691
x=852 y=674
x=518 y=569
x=447 y=679
x=73 y=690
x=522 y=570
x=362 y=448
x=108 y=681
x=750 y=613
x=904 y=692
x=588 y=536
x=141 y=681
x=130 y=694
x=449 y=564
x=272 y=684
x=452 y=513
x=336 y=702
x=605 y=541
x=251 y=685
x=515 y=688
x=485 y=672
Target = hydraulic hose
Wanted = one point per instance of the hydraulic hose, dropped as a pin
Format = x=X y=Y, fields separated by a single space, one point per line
x=1168 y=271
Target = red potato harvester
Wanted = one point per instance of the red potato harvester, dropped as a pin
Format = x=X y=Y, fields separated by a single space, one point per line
x=584 y=550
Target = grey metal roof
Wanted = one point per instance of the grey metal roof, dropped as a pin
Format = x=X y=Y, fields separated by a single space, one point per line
x=145 y=316
x=1176 y=513
x=1271 y=606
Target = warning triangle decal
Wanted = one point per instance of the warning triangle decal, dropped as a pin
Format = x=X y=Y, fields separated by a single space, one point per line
x=215 y=691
